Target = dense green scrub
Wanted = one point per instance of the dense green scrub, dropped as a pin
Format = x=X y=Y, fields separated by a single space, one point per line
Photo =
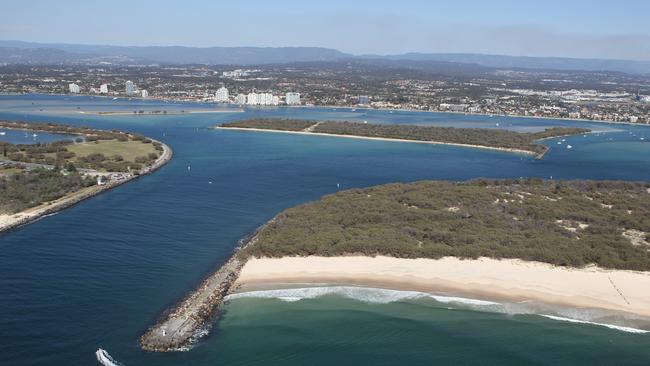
x=495 y=138
x=574 y=223
x=272 y=124
x=28 y=189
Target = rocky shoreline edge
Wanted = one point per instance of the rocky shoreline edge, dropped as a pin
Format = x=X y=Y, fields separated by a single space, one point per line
x=183 y=324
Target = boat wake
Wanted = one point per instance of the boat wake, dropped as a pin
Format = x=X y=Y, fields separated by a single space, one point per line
x=105 y=359
x=591 y=317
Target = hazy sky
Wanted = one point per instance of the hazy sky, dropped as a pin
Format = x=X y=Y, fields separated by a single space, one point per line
x=573 y=28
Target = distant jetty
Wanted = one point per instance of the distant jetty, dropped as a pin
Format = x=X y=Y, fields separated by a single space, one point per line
x=184 y=323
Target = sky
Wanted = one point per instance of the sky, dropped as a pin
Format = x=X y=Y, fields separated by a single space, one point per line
x=570 y=28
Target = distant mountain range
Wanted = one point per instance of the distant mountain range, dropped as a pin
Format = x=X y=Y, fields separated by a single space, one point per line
x=53 y=53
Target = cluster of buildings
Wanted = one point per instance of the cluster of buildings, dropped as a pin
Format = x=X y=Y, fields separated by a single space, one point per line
x=558 y=95
x=222 y=95
x=236 y=74
x=130 y=88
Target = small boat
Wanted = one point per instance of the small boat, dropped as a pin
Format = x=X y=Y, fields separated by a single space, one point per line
x=642 y=139
x=189 y=167
x=569 y=147
x=34 y=135
x=559 y=142
x=2 y=133
x=104 y=358
x=497 y=125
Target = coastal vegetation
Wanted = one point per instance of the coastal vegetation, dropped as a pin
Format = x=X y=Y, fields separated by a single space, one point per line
x=108 y=151
x=572 y=223
x=27 y=189
x=493 y=138
x=37 y=174
x=280 y=124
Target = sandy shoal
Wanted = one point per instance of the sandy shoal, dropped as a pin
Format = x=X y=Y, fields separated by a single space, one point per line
x=484 y=278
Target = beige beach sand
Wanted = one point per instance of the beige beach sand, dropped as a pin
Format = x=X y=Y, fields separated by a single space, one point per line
x=483 y=278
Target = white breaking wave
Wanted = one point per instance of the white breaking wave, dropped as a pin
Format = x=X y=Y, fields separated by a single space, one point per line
x=384 y=296
x=365 y=294
x=610 y=326
x=463 y=300
x=105 y=359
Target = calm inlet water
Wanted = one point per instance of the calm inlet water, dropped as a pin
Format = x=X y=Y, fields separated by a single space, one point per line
x=98 y=274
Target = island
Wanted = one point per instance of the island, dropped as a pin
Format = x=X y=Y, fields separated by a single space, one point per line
x=485 y=138
x=576 y=243
x=39 y=179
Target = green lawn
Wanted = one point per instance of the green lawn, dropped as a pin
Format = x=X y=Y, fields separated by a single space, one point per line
x=128 y=149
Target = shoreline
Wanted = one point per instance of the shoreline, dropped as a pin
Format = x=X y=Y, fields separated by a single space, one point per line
x=490 y=115
x=503 y=149
x=338 y=107
x=13 y=221
x=189 y=319
x=125 y=113
x=484 y=279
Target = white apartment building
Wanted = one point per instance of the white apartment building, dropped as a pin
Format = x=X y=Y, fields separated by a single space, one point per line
x=74 y=88
x=103 y=89
x=130 y=88
x=222 y=95
x=293 y=98
x=240 y=99
x=252 y=99
x=144 y=93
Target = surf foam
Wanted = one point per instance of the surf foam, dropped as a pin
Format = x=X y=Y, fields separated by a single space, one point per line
x=384 y=296
x=610 y=326
x=365 y=294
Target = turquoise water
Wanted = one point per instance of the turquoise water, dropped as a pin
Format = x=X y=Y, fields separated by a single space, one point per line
x=98 y=274
x=31 y=137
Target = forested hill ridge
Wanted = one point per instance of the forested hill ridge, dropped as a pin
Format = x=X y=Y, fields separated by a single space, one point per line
x=478 y=137
x=565 y=223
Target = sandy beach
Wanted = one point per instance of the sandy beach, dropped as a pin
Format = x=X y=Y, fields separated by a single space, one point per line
x=484 y=278
x=517 y=151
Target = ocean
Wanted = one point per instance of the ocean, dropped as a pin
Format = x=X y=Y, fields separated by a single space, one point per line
x=100 y=273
